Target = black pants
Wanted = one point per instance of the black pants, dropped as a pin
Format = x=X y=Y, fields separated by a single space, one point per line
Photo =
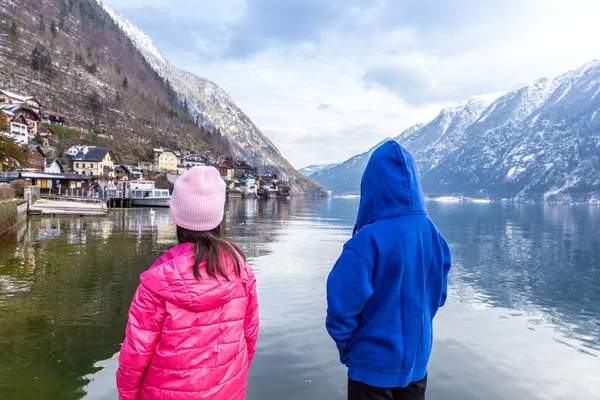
x=361 y=391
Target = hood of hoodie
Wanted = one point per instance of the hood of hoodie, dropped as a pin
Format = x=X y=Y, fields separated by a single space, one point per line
x=390 y=186
x=171 y=277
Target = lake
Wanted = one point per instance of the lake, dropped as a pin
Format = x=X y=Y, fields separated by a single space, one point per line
x=522 y=320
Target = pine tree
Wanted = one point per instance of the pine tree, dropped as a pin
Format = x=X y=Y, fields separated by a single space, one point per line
x=94 y=102
x=92 y=69
x=14 y=32
x=35 y=59
x=54 y=31
x=79 y=58
x=38 y=138
x=125 y=83
x=41 y=61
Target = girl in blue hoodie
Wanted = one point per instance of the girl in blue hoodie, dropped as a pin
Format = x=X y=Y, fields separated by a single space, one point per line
x=389 y=283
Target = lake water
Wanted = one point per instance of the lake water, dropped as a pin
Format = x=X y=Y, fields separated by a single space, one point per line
x=522 y=320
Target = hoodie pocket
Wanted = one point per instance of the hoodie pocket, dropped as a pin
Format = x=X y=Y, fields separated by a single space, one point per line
x=344 y=350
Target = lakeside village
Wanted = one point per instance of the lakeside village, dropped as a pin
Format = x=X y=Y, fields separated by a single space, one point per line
x=95 y=172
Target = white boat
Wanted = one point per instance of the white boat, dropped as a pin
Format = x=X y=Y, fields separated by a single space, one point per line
x=145 y=194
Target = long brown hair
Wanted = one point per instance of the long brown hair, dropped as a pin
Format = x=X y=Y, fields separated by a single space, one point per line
x=210 y=247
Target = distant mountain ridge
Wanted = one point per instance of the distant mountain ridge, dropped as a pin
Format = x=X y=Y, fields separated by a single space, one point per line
x=311 y=169
x=538 y=142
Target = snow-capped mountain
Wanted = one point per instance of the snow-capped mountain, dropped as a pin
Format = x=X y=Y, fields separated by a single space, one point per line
x=345 y=178
x=311 y=169
x=536 y=142
x=212 y=107
x=443 y=135
x=86 y=68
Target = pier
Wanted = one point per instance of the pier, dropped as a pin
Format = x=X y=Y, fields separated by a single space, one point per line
x=112 y=198
x=69 y=207
x=119 y=202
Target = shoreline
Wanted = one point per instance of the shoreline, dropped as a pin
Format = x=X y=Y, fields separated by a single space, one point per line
x=471 y=200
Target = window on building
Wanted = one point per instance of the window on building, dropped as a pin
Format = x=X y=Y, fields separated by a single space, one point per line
x=77 y=165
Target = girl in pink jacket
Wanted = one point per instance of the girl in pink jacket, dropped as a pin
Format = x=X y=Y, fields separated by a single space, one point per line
x=193 y=322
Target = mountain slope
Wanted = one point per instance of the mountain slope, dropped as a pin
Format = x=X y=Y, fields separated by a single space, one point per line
x=537 y=142
x=75 y=60
x=443 y=135
x=214 y=109
x=428 y=142
x=345 y=178
x=311 y=169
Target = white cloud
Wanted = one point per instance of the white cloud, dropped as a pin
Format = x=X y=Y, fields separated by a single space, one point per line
x=381 y=66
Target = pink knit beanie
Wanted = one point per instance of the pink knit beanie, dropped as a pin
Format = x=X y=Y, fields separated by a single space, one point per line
x=198 y=200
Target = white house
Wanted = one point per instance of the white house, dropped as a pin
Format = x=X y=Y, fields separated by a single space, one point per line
x=193 y=160
x=18 y=132
x=251 y=185
x=53 y=166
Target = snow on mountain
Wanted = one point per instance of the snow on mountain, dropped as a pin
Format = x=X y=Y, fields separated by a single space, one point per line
x=540 y=142
x=536 y=142
x=311 y=169
x=444 y=134
x=212 y=107
x=345 y=178
x=429 y=143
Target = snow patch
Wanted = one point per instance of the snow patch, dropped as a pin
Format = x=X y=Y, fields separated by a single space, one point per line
x=490 y=97
x=480 y=201
x=489 y=111
x=571 y=181
x=534 y=120
x=596 y=94
x=514 y=173
x=454 y=200
x=528 y=158
x=447 y=199
x=562 y=96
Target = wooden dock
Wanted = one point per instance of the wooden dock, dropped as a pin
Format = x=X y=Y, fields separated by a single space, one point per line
x=69 y=207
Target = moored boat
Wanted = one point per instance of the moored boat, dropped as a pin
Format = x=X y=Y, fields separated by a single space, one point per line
x=143 y=193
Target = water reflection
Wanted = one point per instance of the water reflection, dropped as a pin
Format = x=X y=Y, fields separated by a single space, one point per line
x=523 y=321
x=530 y=258
x=66 y=285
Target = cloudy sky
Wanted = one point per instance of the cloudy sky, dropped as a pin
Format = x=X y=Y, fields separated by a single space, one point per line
x=326 y=79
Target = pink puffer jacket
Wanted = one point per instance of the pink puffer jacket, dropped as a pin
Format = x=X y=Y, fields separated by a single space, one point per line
x=188 y=338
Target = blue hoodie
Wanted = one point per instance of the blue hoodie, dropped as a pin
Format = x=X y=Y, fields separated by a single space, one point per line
x=391 y=278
